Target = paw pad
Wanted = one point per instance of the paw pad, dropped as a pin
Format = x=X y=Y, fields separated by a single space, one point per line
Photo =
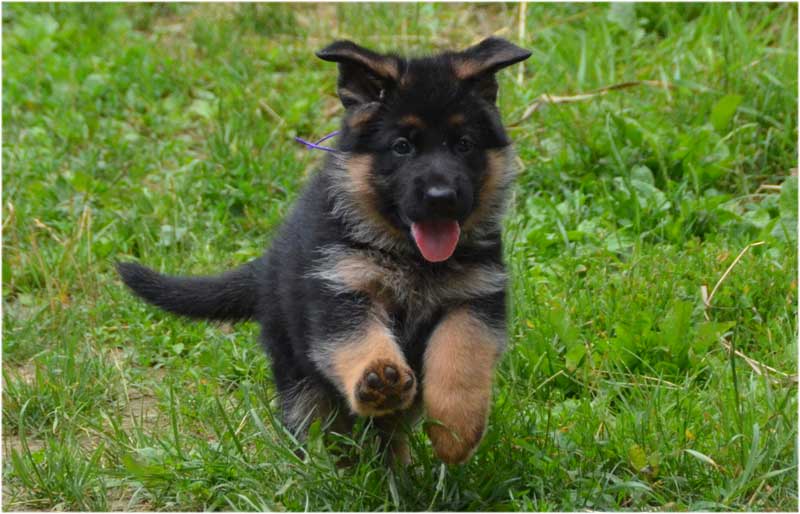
x=384 y=387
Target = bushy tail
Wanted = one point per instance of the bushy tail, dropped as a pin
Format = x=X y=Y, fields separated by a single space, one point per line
x=231 y=296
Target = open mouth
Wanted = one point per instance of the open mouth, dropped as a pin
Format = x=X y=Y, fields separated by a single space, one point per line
x=436 y=239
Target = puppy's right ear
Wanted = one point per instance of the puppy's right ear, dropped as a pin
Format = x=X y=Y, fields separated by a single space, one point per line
x=364 y=75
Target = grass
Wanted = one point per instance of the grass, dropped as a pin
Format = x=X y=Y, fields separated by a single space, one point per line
x=165 y=133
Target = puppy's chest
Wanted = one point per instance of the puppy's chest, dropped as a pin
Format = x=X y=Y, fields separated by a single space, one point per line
x=402 y=287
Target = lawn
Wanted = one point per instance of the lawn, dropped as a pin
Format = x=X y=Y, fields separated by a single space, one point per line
x=652 y=242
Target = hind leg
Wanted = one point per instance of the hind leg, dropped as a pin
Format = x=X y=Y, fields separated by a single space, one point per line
x=304 y=399
x=394 y=430
x=307 y=401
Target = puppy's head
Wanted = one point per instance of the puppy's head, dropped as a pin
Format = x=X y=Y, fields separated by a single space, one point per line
x=424 y=156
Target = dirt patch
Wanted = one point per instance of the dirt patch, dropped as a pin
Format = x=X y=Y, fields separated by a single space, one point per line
x=25 y=372
x=143 y=412
x=14 y=442
x=120 y=501
x=32 y=505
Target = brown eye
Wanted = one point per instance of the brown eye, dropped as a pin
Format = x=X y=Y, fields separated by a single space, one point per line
x=464 y=145
x=401 y=146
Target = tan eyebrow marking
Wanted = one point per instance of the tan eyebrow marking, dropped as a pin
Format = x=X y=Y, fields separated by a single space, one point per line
x=412 y=120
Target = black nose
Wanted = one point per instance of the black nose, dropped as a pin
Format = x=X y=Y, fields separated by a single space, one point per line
x=440 y=200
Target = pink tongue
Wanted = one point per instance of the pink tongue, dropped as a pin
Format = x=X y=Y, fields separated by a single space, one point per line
x=436 y=240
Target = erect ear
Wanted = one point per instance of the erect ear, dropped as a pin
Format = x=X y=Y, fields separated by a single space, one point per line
x=479 y=63
x=364 y=75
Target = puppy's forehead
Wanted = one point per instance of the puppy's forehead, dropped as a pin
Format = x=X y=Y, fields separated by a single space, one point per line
x=432 y=75
x=430 y=94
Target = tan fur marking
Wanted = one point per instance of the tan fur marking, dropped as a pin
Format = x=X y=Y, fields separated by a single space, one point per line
x=456 y=119
x=354 y=359
x=359 y=168
x=496 y=167
x=457 y=390
x=412 y=120
x=361 y=274
x=390 y=283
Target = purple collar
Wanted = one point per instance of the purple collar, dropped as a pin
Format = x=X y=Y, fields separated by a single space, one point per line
x=317 y=146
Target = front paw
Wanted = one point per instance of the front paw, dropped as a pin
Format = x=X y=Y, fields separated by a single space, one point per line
x=384 y=387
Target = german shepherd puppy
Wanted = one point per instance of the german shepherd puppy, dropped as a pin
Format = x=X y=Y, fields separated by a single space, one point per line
x=383 y=293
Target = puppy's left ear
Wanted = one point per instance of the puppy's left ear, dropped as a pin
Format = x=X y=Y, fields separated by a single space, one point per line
x=479 y=63
x=364 y=75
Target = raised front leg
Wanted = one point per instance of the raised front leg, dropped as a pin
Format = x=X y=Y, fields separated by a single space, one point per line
x=368 y=367
x=457 y=385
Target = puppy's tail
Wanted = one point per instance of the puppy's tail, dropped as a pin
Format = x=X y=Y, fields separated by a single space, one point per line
x=232 y=296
